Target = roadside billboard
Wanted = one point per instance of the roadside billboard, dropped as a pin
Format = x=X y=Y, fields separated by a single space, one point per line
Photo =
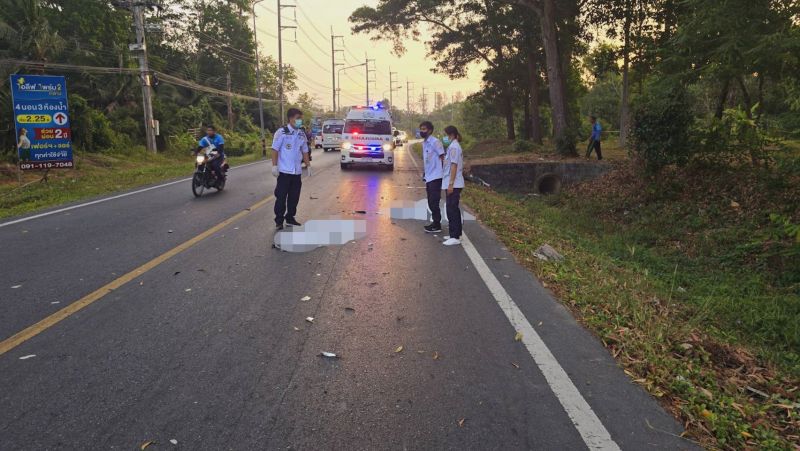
x=41 y=116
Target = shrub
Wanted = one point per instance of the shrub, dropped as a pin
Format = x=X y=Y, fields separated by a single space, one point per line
x=524 y=145
x=91 y=129
x=662 y=122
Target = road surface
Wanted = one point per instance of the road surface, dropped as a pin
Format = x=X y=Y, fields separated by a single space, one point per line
x=158 y=317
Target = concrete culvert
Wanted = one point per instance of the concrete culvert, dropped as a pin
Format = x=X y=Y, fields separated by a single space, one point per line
x=548 y=184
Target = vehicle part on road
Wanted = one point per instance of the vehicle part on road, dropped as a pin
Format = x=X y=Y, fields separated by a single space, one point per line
x=309 y=319
x=329 y=355
x=305 y=298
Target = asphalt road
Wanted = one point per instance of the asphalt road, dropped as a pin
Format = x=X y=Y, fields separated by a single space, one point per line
x=208 y=345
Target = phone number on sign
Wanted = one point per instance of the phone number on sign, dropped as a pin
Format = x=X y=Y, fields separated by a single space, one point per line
x=46 y=165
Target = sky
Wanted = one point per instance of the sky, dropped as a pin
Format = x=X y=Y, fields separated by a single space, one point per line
x=310 y=55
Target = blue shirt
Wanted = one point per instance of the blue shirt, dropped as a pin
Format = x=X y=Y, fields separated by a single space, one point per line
x=216 y=141
x=596 y=129
x=454 y=156
x=290 y=147
x=432 y=151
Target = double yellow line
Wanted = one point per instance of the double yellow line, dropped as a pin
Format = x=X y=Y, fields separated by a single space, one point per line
x=31 y=331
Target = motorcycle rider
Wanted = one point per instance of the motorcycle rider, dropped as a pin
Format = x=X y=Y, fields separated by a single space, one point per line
x=217 y=142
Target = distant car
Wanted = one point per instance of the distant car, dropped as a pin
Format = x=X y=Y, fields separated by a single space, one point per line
x=403 y=137
x=332 y=134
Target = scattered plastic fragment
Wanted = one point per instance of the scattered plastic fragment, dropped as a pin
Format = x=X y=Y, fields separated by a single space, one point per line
x=169 y=231
x=296 y=329
x=435 y=355
x=173 y=441
x=360 y=212
x=305 y=298
x=518 y=336
x=26 y=357
x=399 y=349
x=310 y=319
x=329 y=355
x=16 y=286
x=515 y=365
x=55 y=302
x=187 y=290
x=461 y=422
x=146 y=444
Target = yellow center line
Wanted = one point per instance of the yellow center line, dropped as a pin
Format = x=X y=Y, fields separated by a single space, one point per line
x=50 y=321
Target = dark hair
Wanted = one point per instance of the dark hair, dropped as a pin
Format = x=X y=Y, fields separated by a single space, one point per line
x=293 y=112
x=426 y=124
x=594 y=118
x=452 y=130
x=211 y=127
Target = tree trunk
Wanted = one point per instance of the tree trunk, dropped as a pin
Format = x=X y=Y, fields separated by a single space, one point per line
x=748 y=102
x=624 y=113
x=535 y=98
x=526 y=120
x=555 y=71
x=723 y=96
x=508 y=110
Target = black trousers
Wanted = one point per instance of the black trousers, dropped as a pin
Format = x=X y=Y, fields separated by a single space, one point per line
x=454 y=213
x=434 y=190
x=594 y=145
x=287 y=195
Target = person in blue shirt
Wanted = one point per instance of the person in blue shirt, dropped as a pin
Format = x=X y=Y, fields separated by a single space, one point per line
x=594 y=140
x=433 y=154
x=217 y=142
x=289 y=152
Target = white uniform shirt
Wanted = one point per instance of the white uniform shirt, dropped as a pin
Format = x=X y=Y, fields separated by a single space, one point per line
x=432 y=149
x=290 y=147
x=454 y=155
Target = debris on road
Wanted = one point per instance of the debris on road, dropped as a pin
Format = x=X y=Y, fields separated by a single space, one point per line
x=169 y=231
x=146 y=444
x=547 y=253
x=518 y=336
x=310 y=319
x=296 y=329
x=506 y=276
x=305 y=298
x=187 y=290
x=461 y=422
x=173 y=441
x=16 y=286
x=349 y=310
x=515 y=365
x=329 y=355
x=499 y=258
x=26 y=357
x=360 y=212
x=399 y=349
x=176 y=273
x=435 y=355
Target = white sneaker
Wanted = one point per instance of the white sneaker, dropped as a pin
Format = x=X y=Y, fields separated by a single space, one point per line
x=446 y=237
x=452 y=242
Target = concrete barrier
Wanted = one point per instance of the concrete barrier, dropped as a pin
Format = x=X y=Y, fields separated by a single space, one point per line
x=542 y=177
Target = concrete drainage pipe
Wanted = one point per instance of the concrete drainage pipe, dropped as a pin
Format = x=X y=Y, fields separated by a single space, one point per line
x=548 y=184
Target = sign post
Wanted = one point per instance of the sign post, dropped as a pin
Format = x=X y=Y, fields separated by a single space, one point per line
x=41 y=116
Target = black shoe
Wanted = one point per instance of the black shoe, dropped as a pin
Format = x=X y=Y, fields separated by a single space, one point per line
x=293 y=223
x=433 y=228
x=278 y=226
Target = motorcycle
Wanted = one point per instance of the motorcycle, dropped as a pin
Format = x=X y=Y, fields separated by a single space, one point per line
x=204 y=177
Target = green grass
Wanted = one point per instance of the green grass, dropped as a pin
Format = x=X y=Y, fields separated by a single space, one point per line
x=691 y=320
x=95 y=175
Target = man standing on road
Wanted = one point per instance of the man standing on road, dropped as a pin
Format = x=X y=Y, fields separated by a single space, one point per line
x=594 y=140
x=289 y=150
x=433 y=155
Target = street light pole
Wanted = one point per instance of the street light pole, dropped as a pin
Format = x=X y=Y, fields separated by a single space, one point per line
x=258 y=85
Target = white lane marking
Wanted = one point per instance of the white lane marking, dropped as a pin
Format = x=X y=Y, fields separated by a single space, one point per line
x=411 y=153
x=106 y=199
x=587 y=423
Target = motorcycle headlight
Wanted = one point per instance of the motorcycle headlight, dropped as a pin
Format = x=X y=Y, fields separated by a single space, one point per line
x=347 y=145
x=387 y=147
x=201 y=159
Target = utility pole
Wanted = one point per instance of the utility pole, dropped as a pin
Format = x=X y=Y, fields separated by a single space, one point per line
x=280 y=54
x=408 y=95
x=144 y=74
x=392 y=89
x=258 y=85
x=333 y=66
x=368 y=70
x=229 y=101
x=424 y=101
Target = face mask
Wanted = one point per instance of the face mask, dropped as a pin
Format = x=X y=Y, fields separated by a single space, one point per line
x=298 y=123
x=424 y=135
x=446 y=140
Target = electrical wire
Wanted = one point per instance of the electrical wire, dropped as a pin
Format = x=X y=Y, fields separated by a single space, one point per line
x=311 y=58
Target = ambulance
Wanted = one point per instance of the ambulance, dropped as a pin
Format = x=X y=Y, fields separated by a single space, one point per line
x=367 y=137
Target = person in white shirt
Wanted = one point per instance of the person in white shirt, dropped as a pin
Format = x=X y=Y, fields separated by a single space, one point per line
x=433 y=154
x=454 y=183
x=24 y=145
x=289 y=149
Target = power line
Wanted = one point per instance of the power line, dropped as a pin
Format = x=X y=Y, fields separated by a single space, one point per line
x=311 y=58
x=311 y=22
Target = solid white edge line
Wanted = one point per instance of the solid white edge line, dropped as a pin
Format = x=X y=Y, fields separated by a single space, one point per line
x=589 y=426
x=106 y=199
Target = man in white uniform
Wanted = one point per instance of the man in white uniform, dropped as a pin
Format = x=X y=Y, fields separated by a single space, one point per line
x=433 y=154
x=289 y=150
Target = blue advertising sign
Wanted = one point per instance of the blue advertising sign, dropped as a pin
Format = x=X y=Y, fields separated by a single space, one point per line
x=44 y=139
